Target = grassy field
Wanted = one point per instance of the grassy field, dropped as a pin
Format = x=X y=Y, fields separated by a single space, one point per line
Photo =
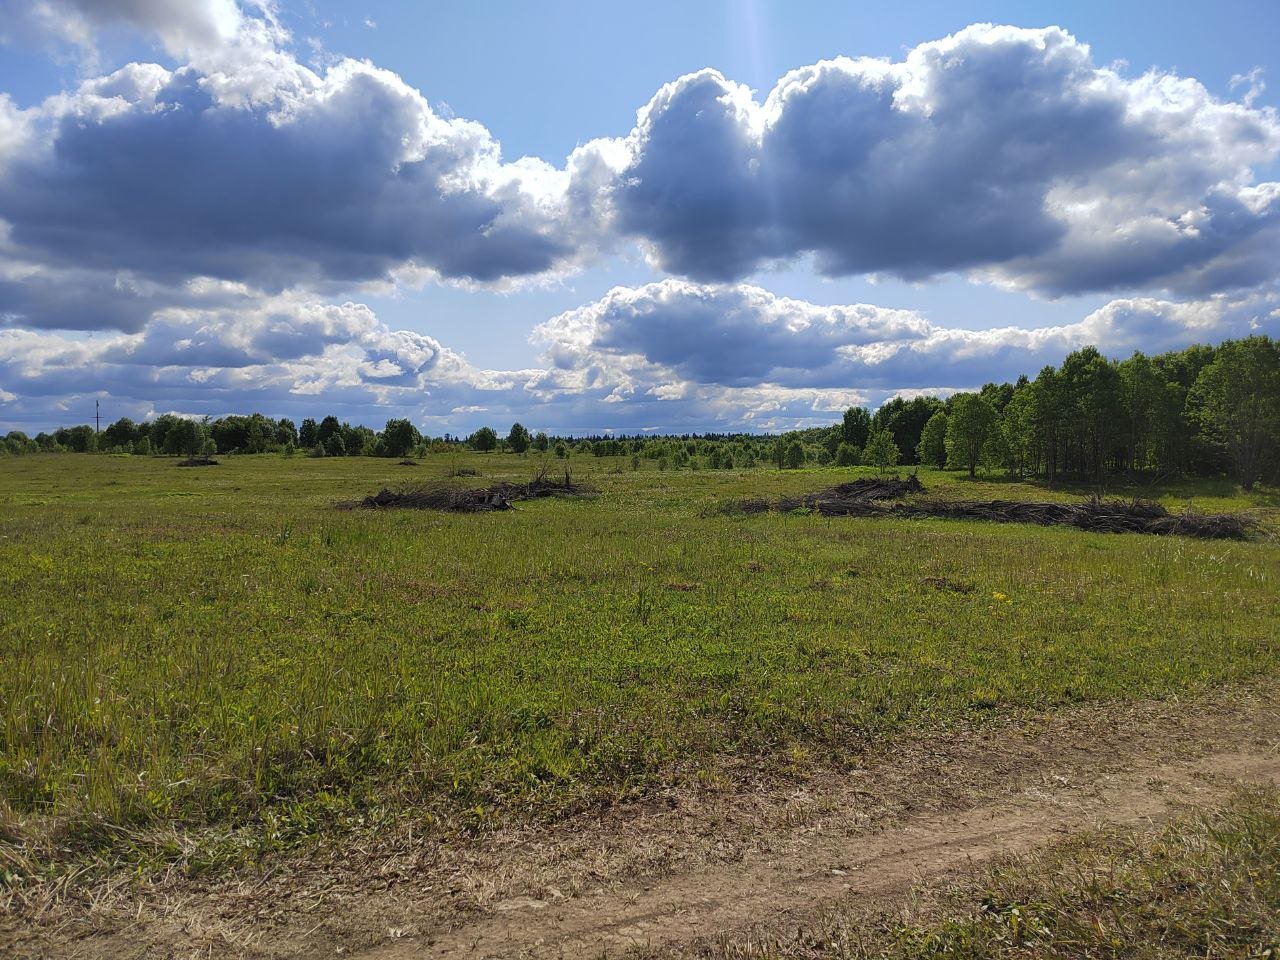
x=1203 y=884
x=203 y=664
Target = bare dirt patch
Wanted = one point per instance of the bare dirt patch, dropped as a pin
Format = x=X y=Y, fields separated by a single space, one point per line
x=697 y=862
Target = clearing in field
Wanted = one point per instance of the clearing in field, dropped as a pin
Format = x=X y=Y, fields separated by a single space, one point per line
x=240 y=721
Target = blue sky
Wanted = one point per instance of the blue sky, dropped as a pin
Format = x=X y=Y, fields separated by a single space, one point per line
x=288 y=210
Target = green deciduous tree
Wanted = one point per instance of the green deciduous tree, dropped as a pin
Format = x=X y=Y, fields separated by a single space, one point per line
x=932 y=449
x=183 y=437
x=1017 y=430
x=969 y=425
x=122 y=434
x=904 y=420
x=518 y=439
x=881 y=450
x=1237 y=399
x=328 y=427
x=793 y=455
x=855 y=427
x=484 y=439
x=308 y=433
x=399 y=437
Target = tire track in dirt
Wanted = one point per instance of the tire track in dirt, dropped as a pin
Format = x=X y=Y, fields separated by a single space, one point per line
x=689 y=863
x=833 y=864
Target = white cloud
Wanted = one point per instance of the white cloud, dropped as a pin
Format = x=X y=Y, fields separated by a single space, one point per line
x=186 y=29
x=683 y=355
x=1001 y=153
x=668 y=339
x=347 y=178
x=211 y=221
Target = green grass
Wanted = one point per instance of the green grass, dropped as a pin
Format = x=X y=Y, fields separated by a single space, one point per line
x=218 y=653
x=1204 y=885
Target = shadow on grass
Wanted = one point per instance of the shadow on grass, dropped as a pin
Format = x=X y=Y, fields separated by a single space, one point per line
x=1148 y=488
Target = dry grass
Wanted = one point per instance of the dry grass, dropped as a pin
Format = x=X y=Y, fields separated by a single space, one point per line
x=1206 y=884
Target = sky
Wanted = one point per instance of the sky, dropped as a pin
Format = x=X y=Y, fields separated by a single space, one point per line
x=589 y=218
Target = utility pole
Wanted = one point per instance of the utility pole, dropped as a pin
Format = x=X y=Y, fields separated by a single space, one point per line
x=97 y=418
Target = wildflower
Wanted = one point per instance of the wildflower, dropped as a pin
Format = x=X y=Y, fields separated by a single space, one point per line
x=1000 y=597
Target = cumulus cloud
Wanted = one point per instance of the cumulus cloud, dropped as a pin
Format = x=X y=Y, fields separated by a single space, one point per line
x=191 y=29
x=674 y=355
x=352 y=176
x=998 y=152
x=284 y=354
x=186 y=234
x=728 y=335
x=668 y=339
x=243 y=165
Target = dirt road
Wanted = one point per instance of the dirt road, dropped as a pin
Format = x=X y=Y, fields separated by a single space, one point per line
x=712 y=863
x=832 y=862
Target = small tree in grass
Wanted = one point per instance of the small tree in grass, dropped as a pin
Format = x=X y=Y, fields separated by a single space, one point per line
x=932 y=448
x=881 y=451
x=399 y=437
x=846 y=455
x=793 y=456
x=484 y=439
x=518 y=439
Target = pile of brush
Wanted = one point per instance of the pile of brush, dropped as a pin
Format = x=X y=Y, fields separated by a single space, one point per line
x=1096 y=514
x=844 y=498
x=871 y=497
x=443 y=496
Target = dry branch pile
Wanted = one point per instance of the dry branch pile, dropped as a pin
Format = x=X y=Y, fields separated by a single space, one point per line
x=832 y=500
x=1098 y=515
x=865 y=498
x=198 y=461
x=845 y=497
x=500 y=496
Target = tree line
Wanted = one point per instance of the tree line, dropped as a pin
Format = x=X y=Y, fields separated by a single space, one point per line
x=1199 y=411
x=1206 y=411
x=175 y=435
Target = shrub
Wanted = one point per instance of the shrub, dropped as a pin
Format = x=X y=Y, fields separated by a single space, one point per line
x=881 y=451
x=847 y=455
x=793 y=456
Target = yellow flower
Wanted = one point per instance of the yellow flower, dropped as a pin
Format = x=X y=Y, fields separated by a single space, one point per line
x=997 y=595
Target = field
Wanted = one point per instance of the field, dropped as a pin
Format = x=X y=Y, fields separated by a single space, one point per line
x=207 y=668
